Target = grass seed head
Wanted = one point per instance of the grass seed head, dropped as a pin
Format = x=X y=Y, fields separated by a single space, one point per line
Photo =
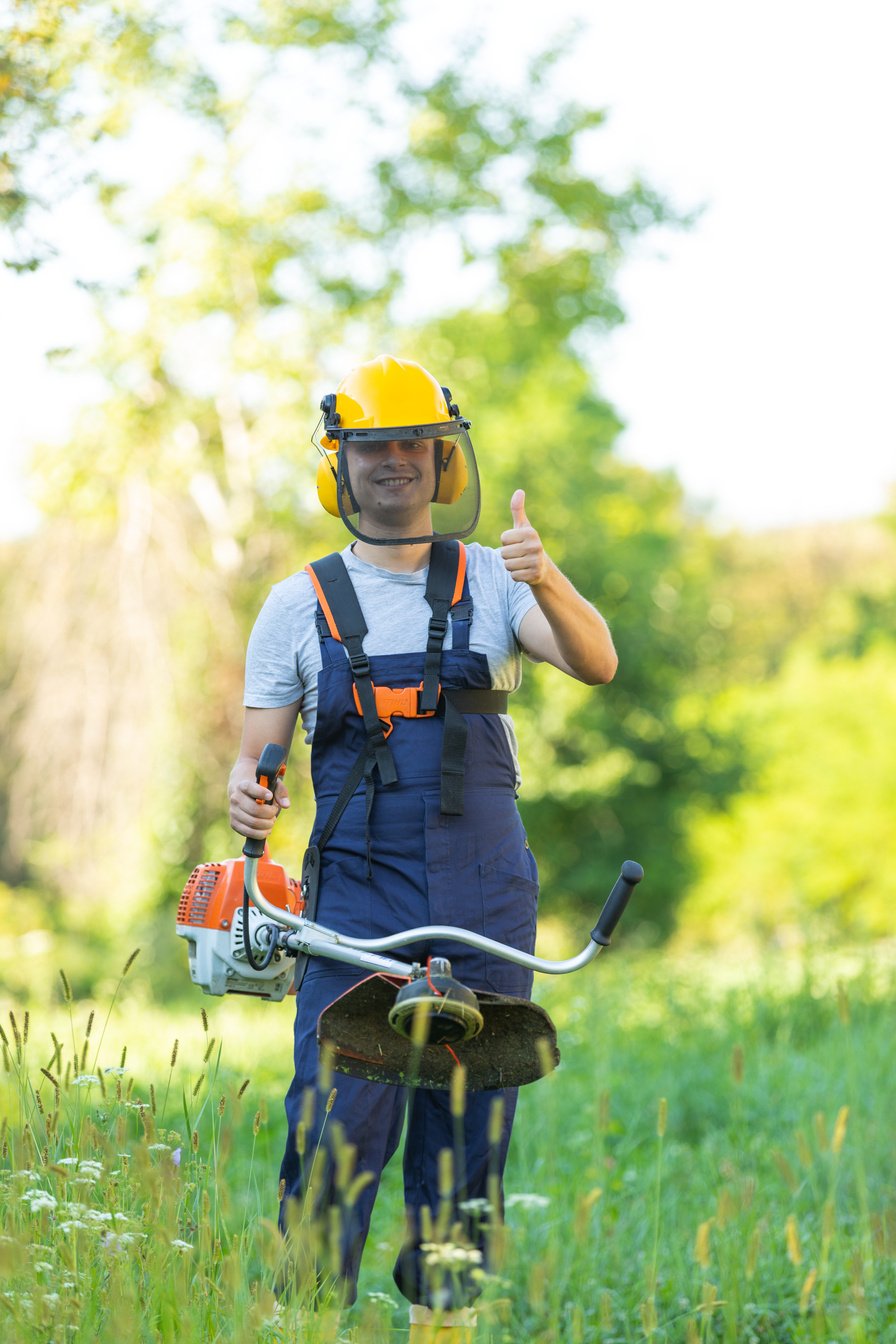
x=174 y=1054
x=458 y=1091
x=806 y=1290
x=792 y=1235
x=661 y=1117
x=130 y=961
x=245 y=1084
x=788 y=1175
x=839 y=1133
x=496 y=1122
x=66 y=987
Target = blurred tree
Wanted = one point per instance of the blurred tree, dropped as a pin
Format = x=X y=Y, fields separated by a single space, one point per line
x=73 y=76
x=806 y=848
x=449 y=219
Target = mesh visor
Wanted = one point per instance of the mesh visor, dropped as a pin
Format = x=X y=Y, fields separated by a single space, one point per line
x=406 y=486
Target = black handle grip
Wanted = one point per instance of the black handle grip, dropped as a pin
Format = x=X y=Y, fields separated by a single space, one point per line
x=614 y=908
x=271 y=766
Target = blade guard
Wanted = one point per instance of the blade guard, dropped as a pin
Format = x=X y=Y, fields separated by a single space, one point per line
x=517 y=1043
x=210 y=918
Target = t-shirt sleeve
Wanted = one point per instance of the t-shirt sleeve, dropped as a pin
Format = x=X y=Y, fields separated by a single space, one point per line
x=272 y=677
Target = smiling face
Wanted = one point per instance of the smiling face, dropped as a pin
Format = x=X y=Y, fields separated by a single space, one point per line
x=393 y=482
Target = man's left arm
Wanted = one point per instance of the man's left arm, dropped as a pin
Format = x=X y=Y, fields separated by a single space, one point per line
x=563 y=629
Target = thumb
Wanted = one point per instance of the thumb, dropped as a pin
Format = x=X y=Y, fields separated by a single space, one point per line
x=518 y=508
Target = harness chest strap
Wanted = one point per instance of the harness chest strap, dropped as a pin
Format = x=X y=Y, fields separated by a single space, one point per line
x=377 y=705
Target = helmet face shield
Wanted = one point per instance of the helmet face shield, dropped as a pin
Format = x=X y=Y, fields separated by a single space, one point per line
x=405 y=486
x=397 y=463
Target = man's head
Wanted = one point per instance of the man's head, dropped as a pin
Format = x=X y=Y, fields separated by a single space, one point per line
x=397 y=463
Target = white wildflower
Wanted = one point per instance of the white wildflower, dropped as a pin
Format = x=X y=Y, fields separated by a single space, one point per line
x=39 y=1199
x=98 y=1216
x=118 y=1241
x=85 y=1079
x=90 y=1167
x=526 y=1201
x=43 y=1267
x=115 y=1071
x=182 y=1245
x=159 y=1148
x=475 y=1206
x=446 y=1255
x=72 y=1224
x=383 y=1298
x=51 y=1299
x=67 y=1162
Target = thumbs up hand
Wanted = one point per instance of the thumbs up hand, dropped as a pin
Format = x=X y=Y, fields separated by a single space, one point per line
x=521 y=549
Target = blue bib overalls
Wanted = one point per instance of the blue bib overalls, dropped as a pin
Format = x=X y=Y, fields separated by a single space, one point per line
x=409 y=865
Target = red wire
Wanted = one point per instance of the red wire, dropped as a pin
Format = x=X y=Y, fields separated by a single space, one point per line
x=429 y=979
x=441 y=995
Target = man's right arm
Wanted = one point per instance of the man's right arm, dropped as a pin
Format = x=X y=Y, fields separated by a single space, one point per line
x=253 y=809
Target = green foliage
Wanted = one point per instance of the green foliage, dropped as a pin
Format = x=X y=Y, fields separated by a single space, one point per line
x=806 y=846
x=712 y=1160
x=266 y=259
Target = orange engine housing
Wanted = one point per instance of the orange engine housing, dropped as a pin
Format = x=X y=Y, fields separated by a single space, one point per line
x=215 y=890
x=210 y=918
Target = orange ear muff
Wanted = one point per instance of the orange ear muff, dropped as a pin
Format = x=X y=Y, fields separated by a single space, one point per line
x=452 y=473
x=327 y=474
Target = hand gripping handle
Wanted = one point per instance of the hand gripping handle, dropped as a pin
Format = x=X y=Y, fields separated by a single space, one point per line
x=271 y=767
x=629 y=877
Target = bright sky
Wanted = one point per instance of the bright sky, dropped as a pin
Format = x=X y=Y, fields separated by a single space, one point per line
x=758 y=359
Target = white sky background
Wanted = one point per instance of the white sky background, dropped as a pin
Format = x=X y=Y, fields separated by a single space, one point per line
x=759 y=355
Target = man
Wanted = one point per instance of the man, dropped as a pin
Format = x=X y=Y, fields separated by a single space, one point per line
x=414 y=765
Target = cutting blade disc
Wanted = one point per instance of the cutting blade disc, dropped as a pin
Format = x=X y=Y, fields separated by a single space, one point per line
x=517 y=1043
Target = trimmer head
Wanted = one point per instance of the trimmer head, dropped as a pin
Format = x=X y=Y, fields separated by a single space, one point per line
x=517 y=1042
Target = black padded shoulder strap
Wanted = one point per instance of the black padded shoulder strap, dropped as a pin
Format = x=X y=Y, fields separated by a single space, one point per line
x=445 y=560
x=338 y=598
x=342 y=610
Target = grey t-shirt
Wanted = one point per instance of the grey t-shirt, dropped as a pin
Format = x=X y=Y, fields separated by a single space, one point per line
x=283 y=657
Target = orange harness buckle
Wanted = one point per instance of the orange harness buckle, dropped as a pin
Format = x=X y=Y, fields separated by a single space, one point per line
x=402 y=700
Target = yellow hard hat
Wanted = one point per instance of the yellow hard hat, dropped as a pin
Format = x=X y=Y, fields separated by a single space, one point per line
x=396 y=399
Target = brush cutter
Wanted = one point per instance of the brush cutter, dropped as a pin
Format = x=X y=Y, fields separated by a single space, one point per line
x=247 y=926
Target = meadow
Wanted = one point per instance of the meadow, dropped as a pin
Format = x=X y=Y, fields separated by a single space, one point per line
x=713 y=1160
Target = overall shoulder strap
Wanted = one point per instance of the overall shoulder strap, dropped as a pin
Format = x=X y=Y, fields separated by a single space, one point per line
x=337 y=597
x=342 y=610
x=444 y=586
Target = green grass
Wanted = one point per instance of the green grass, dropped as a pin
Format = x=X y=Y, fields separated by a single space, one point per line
x=714 y=1160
